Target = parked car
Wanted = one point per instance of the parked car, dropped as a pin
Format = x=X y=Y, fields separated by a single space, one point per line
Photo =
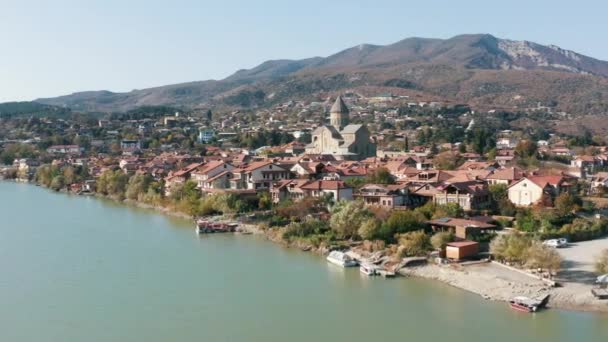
x=556 y=243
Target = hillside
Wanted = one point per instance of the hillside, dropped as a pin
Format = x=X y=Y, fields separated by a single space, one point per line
x=480 y=69
x=15 y=109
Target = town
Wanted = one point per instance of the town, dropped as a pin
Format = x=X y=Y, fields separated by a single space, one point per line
x=390 y=178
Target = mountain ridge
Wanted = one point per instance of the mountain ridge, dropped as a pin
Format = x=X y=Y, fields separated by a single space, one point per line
x=437 y=67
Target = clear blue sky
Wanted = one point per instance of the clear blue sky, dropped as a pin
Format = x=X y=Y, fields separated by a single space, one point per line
x=52 y=48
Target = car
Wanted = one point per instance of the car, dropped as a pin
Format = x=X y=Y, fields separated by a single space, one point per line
x=556 y=243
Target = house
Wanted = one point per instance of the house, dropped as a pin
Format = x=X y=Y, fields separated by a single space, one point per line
x=307 y=169
x=214 y=174
x=297 y=189
x=205 y=136
x=65 y=149
x=504 y=157
x=335 y=189
x=599 y=182
x=470 y=195
x=288 y=189
x=461 y=228
x=536 y=189
x=179 y=177
x=389 y=196
x=258 y=175
x=583 y=162
x=506 y=176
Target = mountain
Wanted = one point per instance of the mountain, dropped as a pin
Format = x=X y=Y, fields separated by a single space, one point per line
x=30 y=109
x=478 y=68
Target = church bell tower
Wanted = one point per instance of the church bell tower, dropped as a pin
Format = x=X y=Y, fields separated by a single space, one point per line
x=338 y=115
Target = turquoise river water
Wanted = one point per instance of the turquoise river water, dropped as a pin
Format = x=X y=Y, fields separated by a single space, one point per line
x=83 y=269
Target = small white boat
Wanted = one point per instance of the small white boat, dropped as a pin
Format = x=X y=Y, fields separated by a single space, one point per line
x=369 y=269
x=341 y=259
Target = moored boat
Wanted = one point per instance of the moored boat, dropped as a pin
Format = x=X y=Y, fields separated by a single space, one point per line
x=341 y=259
x=524 y=304
x=368 y=269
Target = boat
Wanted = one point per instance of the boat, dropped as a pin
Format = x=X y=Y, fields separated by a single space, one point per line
x=368 y=269
x=524 y=304
x=205 y=227
x=341 y=259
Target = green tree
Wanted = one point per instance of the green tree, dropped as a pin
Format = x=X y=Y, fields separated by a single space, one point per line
x=441 y=239
x=347 y=217
x=57 y=183
x=415 y=243
x=567 y=204
x=370 y=229
x=401 y=221
x=381 y=176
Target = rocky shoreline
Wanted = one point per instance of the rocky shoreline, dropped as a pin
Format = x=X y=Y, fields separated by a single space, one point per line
x=488 y=284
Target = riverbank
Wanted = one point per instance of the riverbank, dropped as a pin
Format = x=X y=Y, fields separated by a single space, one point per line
x=486 y=280
x=496 y=283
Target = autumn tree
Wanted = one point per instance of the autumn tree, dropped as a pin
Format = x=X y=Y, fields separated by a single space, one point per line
x=347 y=217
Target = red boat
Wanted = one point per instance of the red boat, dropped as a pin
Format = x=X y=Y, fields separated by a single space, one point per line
x=524 y=304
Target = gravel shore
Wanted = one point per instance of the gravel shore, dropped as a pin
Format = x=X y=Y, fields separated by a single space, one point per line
x=494 y=282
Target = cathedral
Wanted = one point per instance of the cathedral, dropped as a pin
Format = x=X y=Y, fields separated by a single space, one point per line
x=341 y=139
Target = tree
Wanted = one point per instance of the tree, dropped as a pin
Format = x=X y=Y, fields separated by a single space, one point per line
x=209 y=114
x=526 y=149
x=370 y=229
x=57 y=183
x=137 y=186
x=511 y=248
x=601 y=262
x=447 y=160
x=441 y=239
x=448 y=210
x=543 y=257
x=566 y=204
x=401 y=221
x=347 y=217
x=381 y=176
x=415 y=243
x=264 y=200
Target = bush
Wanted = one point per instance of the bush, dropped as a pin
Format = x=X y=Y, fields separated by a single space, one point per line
x=512 y=248
x=399 y=222
x=441 y=239
x=543 y=257
x=582 y=229
x=370 y=229
x=305 y=228
x=347 y=217
x=601 y=263
x=415 y=243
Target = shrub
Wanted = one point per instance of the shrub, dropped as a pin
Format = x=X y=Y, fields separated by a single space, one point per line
x=543 y=257
x=370 y=229
x=601 y=263
x=441 y=239
x=415 y=243
x=512 y=248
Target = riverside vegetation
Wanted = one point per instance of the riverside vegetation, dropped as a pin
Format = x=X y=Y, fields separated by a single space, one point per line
x=321 y=224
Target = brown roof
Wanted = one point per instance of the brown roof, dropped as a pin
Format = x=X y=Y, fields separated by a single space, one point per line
x=459 y=244
x=510 y=174
x=325 y=185
x=457 y=222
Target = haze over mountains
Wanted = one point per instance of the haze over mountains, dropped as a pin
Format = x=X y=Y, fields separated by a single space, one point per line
x=480 y=69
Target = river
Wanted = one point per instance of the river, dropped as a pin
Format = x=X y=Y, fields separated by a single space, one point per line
x=83 y=269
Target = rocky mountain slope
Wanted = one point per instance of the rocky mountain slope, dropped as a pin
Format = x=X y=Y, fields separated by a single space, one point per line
x=479 y=69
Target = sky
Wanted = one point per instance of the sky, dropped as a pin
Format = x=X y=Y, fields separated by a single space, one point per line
x=52 y=48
